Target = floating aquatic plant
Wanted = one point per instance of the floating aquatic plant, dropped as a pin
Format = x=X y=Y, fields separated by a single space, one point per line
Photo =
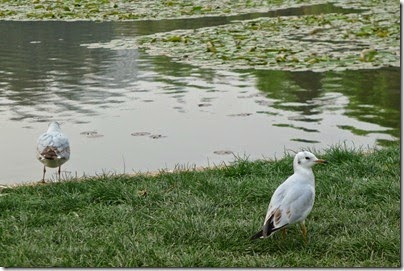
x=330 y=41
x=136 y=10
x=312 y=42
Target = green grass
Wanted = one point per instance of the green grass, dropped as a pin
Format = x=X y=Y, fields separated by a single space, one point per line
x=205 y=219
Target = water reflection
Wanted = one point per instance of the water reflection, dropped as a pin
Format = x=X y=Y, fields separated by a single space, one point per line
x=44 y=67
x=373 y=97
x=107 y=98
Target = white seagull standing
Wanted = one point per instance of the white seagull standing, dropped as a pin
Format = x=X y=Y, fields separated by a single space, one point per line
x=293 y=200
x=53 y=148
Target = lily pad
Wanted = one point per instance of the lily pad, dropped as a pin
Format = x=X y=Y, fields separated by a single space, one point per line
x=91 y=134
x=298 y=43
x=223 y=152
x=366 y=38
x=140 y=134
x=157 y=136
x=136 y=10
x=240 y=115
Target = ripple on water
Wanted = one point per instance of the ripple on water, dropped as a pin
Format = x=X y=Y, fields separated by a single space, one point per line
x=204 y=104
x=296 y=127
x=305 y=140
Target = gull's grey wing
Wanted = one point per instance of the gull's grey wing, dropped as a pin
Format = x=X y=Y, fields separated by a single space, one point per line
x=54 y=144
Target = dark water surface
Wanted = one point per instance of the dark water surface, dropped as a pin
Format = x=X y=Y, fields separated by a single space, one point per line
x=125 y=111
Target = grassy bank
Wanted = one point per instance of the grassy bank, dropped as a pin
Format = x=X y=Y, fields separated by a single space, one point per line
x=205 y=218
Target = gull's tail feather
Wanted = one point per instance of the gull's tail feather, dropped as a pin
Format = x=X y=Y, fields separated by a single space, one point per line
x=268 y=229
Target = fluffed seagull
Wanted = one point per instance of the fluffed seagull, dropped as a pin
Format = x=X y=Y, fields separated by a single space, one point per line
x=293 y=200
x=53 y=148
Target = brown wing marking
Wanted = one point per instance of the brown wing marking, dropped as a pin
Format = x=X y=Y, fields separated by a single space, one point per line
x=50 y=153
x=277 y=216
x=288 y=213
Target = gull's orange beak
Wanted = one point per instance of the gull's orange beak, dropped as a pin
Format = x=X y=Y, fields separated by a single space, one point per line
x=321 y=161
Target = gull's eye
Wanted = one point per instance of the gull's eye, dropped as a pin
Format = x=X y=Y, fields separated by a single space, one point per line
x=307 y=158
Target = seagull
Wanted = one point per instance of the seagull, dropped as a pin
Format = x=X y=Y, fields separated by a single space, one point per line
x=53 y=148
x=293 y=200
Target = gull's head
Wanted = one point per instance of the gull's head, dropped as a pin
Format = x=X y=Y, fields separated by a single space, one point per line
x=305 y=159
x=54 y=126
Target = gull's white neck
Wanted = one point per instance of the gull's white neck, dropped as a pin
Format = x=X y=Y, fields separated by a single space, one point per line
x=308 y=172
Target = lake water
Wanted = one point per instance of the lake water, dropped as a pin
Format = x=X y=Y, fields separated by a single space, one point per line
x=125 y=111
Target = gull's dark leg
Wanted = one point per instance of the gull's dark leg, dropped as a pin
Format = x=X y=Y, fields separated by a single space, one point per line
x=59 y=172
x=284 y=233
x=43 y=176
x=304 y=231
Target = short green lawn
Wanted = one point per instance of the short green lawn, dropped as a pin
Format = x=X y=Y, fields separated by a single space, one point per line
x=205 y=218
